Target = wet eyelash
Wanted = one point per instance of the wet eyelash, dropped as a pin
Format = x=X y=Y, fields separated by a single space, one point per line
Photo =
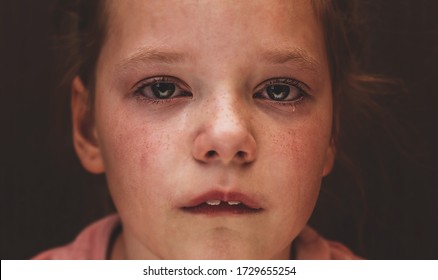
x=143 y=99
x=149 y=81
x=292 y=103
x=300 y=86
x=288 y=81
x=153 y=80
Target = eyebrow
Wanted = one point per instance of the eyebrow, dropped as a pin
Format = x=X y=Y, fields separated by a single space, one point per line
x=298 y=56
x=275 y=56
x=146 y=55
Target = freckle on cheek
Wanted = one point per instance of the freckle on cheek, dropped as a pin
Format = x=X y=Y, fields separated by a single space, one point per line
x=128 y=144
x=285 y=143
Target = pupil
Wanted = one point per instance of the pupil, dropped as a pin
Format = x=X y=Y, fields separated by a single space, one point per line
x=278 y=92
x=163 y=90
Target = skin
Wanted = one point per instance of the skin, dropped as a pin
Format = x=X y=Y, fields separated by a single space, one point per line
x=159 y=155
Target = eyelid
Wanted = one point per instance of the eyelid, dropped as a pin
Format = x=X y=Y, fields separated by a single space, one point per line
x=284 y=80
x=300 y=86
x=159 y=79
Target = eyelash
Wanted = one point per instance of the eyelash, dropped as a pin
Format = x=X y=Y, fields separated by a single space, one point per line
x=180 y=86
x=300 y=86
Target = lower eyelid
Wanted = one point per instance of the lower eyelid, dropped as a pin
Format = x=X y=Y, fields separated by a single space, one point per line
x=260 y=94
x=293 y=102
x=142 y=99
x=289 y=106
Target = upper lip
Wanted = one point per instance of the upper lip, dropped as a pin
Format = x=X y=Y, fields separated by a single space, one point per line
x=224 y=196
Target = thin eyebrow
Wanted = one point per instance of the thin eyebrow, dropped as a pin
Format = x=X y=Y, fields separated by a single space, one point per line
x=148 y=55
x=298 y=56
x=275 y=56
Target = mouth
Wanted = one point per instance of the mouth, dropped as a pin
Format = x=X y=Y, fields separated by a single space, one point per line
x=220 y=203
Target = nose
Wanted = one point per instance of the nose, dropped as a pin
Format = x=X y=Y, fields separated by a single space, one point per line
x=225 y=136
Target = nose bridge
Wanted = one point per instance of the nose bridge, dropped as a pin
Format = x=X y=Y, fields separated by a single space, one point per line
x=229 y=114
x=226 y=135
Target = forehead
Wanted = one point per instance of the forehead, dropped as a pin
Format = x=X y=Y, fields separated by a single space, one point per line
x=224 y=27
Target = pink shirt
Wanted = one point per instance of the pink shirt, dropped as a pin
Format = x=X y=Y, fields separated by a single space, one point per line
x=92 y=244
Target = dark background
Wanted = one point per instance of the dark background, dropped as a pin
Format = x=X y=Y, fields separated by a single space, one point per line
x=47 y=197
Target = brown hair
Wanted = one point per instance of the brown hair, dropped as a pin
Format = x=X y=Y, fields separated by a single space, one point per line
x=360 y=118
x=81 y=28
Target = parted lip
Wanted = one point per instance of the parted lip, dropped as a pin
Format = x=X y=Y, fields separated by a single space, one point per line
x=224 y=196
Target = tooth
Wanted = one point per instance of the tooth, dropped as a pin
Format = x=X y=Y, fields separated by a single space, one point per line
x=234 y=202
x=213 y=202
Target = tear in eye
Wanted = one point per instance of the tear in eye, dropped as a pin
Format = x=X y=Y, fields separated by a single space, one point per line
x=278 y=92
x=163 y=90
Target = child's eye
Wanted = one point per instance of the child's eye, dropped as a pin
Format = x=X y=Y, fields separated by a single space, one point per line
x=281 y=90
x=278 y=92
x=161 y=88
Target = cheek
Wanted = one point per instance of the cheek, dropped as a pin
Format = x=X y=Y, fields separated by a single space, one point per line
x=296 y=161
x=296 y=155
x=299 y=151
x=134 y=154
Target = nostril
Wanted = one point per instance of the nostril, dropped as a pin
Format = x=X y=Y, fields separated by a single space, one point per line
x=211 y=154
x=240 y=154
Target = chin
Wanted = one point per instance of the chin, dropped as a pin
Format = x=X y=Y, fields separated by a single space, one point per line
x=227 y=251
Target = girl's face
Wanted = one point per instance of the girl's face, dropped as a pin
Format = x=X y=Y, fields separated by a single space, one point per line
x=200 y=103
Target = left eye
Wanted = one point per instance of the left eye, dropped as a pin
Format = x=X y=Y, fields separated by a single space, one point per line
x=282 y=90
x=278 y=92
x=161 y=88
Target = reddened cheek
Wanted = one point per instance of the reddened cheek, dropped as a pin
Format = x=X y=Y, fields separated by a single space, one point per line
x=84 y=133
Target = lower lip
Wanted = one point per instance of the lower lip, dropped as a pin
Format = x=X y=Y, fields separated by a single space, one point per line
x=222 y=209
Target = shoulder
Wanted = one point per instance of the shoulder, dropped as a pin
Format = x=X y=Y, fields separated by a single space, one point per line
x=91 y=243
x=312 y=246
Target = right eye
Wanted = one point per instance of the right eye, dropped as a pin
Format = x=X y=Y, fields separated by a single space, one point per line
x=161 y=88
